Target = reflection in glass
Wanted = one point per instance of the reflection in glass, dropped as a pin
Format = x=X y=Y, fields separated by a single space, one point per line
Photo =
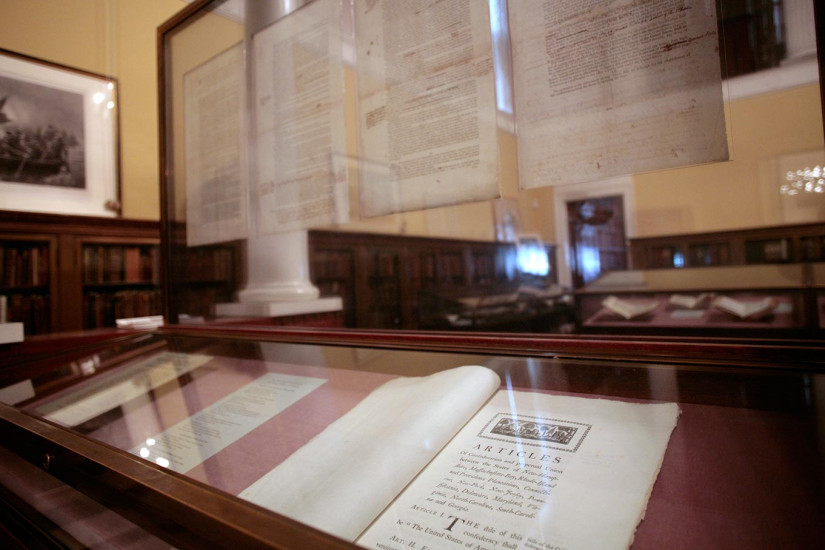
x=408 y=269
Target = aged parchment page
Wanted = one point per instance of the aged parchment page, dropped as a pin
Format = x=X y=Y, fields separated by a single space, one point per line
x=300 y=176
x=207 y=432
x=342 y=479
x=612 y=88
x=534 y=470
x=216 y=184
x=426 y=104
x=76 y=407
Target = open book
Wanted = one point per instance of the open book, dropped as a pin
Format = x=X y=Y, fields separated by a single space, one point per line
x=452 y=461
x=690 y=301
x=629 y=310
x=745 y=309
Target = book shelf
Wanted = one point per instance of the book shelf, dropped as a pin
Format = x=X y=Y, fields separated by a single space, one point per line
x=398 y=281
x=334 y=273
x=204 y=276
x=27 y=262
x=384 y=282
x=761 y=245
x=67 y=273
x=120 y=280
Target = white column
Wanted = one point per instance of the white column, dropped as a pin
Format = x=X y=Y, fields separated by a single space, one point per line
x=277 y=265
x=278 y=269
x=800 y=34
x=278 y=280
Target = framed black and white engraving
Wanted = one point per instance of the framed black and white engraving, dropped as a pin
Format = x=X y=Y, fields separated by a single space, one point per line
x=58 y=138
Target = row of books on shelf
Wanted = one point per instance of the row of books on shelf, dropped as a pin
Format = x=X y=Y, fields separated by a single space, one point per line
x=102 y=309
x=813 y=249
x=24 y=265
x=119 y=264
x=385 y=265
x=30 y=309
x=451 y=268
x=756 y=251
x=384 y=296
x=332 y=264
x=206 y=265
x=424 y=268
x=484 y=269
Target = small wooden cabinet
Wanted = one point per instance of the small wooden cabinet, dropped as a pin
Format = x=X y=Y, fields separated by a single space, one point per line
x=64 y=273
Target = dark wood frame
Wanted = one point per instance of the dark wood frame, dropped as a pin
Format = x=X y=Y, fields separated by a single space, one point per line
x=181 y=510
x=186 y=512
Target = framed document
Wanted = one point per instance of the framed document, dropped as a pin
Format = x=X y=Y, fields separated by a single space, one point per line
x=58 y=138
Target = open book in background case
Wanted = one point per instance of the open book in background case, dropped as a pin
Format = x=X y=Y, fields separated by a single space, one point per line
x=754 y=300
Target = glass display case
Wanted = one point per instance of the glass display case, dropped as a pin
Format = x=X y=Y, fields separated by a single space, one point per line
x=399 y=305
x=198 y=437
x=360 y=165
x=771 y=300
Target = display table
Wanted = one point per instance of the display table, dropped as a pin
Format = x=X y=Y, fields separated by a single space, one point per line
x=742 y=466
x=668 y=293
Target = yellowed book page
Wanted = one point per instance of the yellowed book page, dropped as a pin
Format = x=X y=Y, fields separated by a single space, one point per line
x=427 y=104
x=341 y=480
x=216 y=184
x=534 y=470
x=300 y=177
x=612 y=88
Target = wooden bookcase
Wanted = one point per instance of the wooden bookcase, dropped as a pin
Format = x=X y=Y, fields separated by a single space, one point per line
x=761 y=245
x=27 y=281
x=120 y=277
x=65 y=273
x=381 y=277
x=397 y=281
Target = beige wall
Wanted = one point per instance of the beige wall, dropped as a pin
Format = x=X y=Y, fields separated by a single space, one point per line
x=740 y=193
x=743 y=192
x=114 y=38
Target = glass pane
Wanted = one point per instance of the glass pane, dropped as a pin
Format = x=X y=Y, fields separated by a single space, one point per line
x=339 y=164
x=299 y=428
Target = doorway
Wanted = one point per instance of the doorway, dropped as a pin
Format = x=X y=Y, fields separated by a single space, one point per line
x=597 y=239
